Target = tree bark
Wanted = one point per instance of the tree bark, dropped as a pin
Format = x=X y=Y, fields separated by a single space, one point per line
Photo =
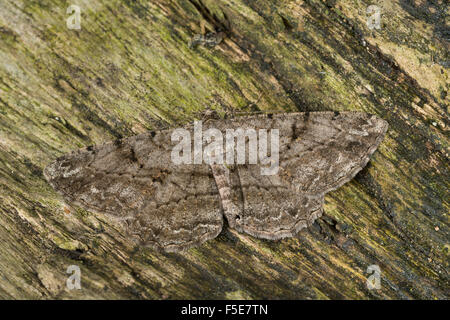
x=130 y=69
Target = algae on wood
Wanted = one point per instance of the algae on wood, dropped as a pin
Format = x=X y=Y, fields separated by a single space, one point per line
x=130 y=69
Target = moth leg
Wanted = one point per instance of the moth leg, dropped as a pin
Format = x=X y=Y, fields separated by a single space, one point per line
x=232 y=212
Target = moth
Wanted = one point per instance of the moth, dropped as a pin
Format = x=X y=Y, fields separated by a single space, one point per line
x=172 y=205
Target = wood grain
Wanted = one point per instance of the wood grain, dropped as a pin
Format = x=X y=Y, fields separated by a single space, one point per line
x=130 y=69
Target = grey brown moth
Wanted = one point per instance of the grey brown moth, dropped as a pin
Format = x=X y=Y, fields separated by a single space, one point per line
x=173 y=206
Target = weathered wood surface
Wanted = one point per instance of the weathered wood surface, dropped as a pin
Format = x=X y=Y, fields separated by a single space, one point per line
x=130 y=69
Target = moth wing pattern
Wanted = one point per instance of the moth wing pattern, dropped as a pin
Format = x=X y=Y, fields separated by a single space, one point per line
x=164 y=206
x=270 y=208
x=327 y=149
x=319 y=152
x=175 y=206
